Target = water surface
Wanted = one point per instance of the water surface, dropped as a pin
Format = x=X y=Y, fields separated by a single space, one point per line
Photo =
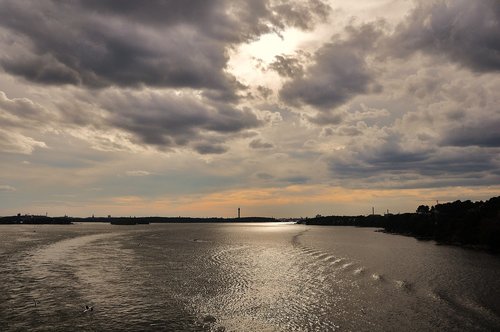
x=240 y=277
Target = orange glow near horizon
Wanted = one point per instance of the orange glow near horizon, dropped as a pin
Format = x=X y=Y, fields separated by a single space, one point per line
x=291 y=201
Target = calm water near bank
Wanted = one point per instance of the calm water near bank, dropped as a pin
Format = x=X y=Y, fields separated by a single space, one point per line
x=240 y=277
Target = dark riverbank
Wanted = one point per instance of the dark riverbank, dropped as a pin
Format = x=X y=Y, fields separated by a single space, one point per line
x=33 y=219
x=468 y=224
x=166 y=220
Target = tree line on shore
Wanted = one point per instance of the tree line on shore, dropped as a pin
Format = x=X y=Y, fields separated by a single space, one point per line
x=45 y=220
x=465 y=223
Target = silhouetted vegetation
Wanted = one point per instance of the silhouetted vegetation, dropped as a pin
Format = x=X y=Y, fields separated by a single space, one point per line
x=475 y=224
x=36 y=220
x=148 y=220
x=30 y=219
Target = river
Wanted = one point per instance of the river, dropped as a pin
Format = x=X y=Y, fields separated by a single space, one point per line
x=240 y=277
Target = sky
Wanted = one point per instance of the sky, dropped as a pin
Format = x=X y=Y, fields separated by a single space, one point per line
x=282 y=108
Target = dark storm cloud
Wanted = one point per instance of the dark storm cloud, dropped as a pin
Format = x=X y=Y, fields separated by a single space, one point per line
x=390 y=158
x=338 y=73
x=128 y=43
x=72 y=46
x=166 y=120
x=44 y=69
x=485 y=134
x=435 y=167
x=234 y=20
x=230 y=120
x=206 y=148
x=465 y=31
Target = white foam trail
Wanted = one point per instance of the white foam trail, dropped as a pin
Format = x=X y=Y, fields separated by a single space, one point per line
x=346 y=265
x=338 y=260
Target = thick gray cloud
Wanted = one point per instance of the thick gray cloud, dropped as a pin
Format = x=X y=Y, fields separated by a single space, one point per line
x=207 y=148
x=390 y=159
x=485 y=134
x=159 y=119
x=465 y=31
x=127 y=43
x=461 y=31
x=234 y=20
x=71 y=45
x=338 y=73
x=441 y=131
x=167 y=120
x=112 y=44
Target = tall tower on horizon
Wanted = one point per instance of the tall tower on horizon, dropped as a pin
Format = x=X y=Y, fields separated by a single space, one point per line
x=238 y=213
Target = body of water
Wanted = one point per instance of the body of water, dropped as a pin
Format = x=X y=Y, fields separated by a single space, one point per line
x=240 y=277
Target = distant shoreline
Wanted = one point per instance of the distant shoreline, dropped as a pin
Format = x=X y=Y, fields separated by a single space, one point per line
x=45 y=220
x=467 y=224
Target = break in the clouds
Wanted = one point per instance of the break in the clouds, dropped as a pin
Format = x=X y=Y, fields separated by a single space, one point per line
x=168 y=103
